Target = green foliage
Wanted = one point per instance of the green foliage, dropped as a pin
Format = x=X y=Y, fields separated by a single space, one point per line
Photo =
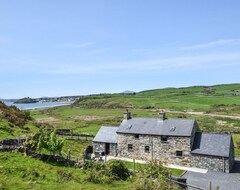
x=118 y=169
x=26 y=100
x=13 y=115
x=154 y=177
x=45 y=139
x=98 y=172
x=53 y=143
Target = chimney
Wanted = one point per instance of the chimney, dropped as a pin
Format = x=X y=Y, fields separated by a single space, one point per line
x=127 y=115
x=162 y=115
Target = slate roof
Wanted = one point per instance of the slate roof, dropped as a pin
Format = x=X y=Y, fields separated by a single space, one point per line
x=106 y=134
x=155 y=126
x=212 y=144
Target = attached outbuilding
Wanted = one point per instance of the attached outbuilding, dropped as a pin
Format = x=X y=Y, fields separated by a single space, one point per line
x=105 y=142
x=213 y=151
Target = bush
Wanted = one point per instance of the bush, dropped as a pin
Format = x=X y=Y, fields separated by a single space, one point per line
x=153 y=177
x=118 y=170
x=98 y=172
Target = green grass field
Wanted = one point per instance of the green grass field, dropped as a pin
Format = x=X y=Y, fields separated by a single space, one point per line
x=19 y=172
x=92 y=112
x=190 y=98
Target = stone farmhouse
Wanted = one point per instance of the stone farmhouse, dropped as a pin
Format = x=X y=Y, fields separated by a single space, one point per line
x=171 y=140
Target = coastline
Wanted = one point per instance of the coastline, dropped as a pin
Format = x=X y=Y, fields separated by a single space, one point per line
x=45 y=107
x=35 y=106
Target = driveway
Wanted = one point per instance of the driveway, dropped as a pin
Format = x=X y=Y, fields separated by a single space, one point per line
x=225 y=181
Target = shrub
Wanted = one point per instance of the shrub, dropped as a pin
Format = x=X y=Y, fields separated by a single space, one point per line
x=98 y=172
x=153 y=177
x=118 y=170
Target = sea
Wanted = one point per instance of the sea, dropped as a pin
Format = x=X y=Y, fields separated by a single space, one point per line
x=37 y=105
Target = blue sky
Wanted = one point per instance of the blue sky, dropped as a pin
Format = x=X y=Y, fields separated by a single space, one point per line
x=74 y=47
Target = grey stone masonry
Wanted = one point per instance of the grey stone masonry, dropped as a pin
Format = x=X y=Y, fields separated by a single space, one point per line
x=214 y=163
x=147 y=147
x=100 y=147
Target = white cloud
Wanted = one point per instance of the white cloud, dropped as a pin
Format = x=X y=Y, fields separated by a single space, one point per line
x=82 y=45
x=227 y=42
x=159 y=65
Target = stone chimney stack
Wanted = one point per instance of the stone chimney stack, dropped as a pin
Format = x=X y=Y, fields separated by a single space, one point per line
x=127 y=115
x=162 y=115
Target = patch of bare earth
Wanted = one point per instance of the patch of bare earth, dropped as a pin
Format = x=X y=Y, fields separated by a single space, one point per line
x=89 y=118
x=47 y=120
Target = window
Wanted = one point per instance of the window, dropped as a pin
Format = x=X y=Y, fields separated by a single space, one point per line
x=179 y=153
x=136 y=136
x=130 y=147
x=147 y=149
x=164 y=139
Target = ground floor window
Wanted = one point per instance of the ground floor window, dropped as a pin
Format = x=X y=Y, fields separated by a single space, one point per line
x=130 y=147
x=147 y=149
x=179 y=153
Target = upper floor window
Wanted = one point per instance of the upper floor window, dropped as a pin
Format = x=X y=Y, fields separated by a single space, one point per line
x=136 y=136
x=130 y=147
x=164 y=138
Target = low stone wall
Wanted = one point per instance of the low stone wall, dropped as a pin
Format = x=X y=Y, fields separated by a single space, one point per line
x=214 y=163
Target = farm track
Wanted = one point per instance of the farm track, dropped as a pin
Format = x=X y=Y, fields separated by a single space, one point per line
x=206 y=114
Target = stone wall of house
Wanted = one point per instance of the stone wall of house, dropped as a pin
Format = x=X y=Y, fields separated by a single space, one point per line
x=97 y=146
x=113 y=150
x=163 y=151
x=195 y=128
x=214 y=163
x=231 y=156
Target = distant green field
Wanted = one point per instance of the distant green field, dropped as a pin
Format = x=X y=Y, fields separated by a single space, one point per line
x=190 y=98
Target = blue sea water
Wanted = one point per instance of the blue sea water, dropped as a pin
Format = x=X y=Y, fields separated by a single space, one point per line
x=37 y=105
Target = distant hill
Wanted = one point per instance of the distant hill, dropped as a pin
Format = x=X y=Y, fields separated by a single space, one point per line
x=128 y=92
x=196 y=98
x=26 y=101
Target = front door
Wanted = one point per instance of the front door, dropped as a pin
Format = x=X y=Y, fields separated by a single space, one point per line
x=107 y=148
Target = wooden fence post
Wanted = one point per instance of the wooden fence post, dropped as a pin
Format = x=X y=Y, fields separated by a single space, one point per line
x=134 y=165
x=69 y=154
x=209 y=185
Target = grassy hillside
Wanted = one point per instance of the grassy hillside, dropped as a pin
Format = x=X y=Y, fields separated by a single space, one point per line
x=19 y=172
x=14 y=122
x=196 y=98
